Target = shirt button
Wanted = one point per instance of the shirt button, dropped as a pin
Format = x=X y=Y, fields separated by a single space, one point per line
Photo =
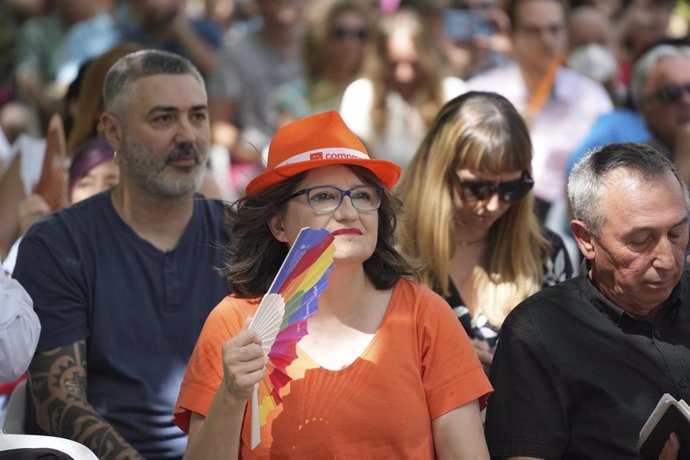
x=683 y=383
x=657 y=334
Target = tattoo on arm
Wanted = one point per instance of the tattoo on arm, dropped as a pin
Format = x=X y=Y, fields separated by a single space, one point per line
x=57 y=380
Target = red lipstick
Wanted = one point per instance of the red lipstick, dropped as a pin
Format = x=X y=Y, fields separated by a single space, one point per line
x=346 y=231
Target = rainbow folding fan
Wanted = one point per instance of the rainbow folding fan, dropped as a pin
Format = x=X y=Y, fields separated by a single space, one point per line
x=281 y=319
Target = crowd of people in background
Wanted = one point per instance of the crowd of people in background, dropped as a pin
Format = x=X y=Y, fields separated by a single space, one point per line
x=133 y=134
x=386 y=66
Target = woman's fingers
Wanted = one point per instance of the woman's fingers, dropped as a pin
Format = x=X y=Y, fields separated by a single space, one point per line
x=243 y=362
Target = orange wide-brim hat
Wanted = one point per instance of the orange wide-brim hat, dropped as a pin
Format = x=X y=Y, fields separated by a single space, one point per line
x=312 y=142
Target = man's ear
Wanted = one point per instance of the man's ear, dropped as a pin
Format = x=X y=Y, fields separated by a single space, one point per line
x=112 y=130
x=583 y=238
x=275 y=223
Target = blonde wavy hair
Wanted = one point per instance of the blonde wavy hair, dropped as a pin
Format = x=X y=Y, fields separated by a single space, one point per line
x=482 y=132
x=429 y=97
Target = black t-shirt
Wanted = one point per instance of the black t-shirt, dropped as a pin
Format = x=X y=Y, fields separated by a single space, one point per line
x=575 y=377
x=140 y=309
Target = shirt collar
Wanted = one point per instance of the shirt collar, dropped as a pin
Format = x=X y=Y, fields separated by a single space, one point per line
x=670 y=306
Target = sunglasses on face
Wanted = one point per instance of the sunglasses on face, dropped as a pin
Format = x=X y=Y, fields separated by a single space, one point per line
x=341 y=32
x=508 y=192
x=671 y=94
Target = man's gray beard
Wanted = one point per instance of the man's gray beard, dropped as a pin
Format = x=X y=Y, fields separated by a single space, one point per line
x=150 y=175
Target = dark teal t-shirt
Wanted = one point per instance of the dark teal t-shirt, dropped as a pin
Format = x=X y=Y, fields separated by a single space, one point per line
x=140 y=309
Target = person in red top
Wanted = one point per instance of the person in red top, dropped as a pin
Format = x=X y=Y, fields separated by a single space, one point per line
x=385 y=369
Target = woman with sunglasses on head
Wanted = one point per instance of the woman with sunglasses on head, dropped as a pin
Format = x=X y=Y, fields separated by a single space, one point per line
x=470 y=215
x=402 y=88
x=373 y=374
x=336 y=35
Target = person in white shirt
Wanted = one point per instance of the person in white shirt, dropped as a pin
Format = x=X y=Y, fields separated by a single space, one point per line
x=393 y=106
x=19 y=330
x=558 y=104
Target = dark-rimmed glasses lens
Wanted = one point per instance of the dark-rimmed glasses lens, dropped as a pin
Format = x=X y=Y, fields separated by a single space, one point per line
x=671 y=94
x=340 y=32
x=508 y=192
x=327 y=198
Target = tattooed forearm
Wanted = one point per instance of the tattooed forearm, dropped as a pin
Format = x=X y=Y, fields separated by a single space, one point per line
x=57 y=380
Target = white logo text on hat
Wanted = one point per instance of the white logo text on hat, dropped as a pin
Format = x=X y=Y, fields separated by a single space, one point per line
x=325 y=154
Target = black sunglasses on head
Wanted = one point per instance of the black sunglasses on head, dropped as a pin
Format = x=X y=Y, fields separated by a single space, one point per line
x=508 y=192
x=671 y=94
x=341 y=32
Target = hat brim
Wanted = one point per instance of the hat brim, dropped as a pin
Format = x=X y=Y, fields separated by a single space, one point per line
x=386 y=171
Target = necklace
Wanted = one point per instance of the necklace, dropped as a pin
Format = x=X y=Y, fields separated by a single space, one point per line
x=471 y=242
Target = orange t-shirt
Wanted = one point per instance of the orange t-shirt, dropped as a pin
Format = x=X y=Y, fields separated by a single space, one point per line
x=418 y=366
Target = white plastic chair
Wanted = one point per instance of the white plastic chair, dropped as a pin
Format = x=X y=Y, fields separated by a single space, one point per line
x=12 y=433
x=16 y=411
x=30 y=441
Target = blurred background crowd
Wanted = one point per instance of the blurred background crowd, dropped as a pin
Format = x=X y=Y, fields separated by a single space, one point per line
x=387 y=65
x=571 y=74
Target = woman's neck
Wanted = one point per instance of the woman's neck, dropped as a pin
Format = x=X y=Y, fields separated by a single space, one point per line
x=338 y=75
x=467 y=256
x=347 y=286
x=467 y=235
x=352 y=300
x=478 y=241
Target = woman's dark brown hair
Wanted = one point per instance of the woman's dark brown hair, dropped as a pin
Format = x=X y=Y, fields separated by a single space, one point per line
x=255 y=255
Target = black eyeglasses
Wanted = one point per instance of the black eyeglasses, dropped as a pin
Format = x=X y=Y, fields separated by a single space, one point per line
x=508 y=192
x=341 y=32
x=327 y=198
x=671 y=94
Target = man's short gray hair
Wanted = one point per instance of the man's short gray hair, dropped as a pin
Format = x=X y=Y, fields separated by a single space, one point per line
x=646 y=63
x=138 y=65
x=586 y=183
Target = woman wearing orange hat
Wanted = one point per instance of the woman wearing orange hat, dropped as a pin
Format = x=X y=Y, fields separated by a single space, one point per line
x=385 y=371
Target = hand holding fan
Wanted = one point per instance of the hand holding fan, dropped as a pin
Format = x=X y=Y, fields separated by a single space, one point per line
x=281 y=319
